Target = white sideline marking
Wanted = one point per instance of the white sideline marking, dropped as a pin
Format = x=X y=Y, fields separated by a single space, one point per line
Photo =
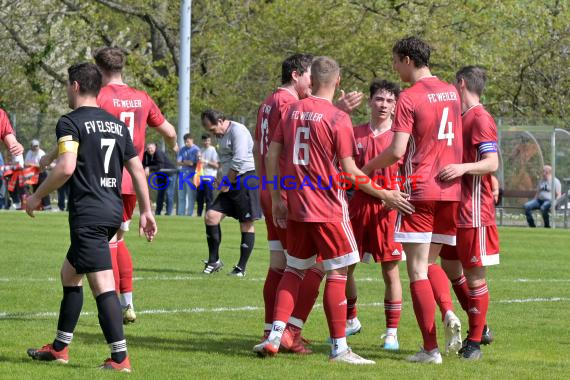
x=197 y=310
x=261 y=279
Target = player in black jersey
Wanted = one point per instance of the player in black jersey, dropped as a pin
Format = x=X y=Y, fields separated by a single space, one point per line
x=93 y=146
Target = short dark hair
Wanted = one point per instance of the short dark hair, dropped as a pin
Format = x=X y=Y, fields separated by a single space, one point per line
x=474 y=77
x=381 y=84
x=297 y=62
x=88 y=76
x=205 y=136
x=188 y=136
x=110 y=59
x=415 y=48
x=212 y=116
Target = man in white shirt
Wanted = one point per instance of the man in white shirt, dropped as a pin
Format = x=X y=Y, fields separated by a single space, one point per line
x=33 y=157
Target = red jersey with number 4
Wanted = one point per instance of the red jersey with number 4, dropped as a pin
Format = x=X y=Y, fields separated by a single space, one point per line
x=315 y=136
x=430 y=111
x=137 y=110
x=268 y=117
x=5 y=126
x=479 y=137
x=370 y=144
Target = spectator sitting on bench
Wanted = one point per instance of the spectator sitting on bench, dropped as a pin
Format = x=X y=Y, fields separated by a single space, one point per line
x=542 y=200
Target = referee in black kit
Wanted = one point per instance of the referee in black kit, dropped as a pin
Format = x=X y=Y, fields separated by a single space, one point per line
x=239 y=191
x=92 y=148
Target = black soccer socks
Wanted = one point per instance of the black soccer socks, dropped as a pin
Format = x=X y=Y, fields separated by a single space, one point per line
x=246 y=247
x=111 y=321
x=214 y=237
x=69 y=312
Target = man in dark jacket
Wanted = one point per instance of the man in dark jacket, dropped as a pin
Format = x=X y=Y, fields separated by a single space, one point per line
x=156 y=160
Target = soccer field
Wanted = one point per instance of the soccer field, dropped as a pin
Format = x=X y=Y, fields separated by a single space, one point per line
x=193 y=326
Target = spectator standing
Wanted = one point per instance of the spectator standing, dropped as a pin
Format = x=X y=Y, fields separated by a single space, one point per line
x=210 y=160
x=187 y=159
x=33 y=157
x=156 y=160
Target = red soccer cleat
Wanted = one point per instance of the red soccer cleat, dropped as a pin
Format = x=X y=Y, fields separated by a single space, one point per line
x=292 y=341
x=47 y=353
x=110 y=364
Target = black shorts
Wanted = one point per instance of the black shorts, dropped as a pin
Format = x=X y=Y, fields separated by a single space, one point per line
x=242 y=203
x=89 y=250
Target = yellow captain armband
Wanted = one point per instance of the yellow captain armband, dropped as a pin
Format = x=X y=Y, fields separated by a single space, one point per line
x=66 y=145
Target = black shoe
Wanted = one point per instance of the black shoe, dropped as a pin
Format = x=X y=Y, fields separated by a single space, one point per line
x=237 y=272
x=210 y=268
x=471 y=351
x=487 y=336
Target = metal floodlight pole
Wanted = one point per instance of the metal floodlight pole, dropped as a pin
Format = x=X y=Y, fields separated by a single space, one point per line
x=184 y=70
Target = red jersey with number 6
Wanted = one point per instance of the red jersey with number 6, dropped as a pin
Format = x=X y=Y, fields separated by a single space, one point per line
x=137 y=110
x=315 y=136
x=430 y=111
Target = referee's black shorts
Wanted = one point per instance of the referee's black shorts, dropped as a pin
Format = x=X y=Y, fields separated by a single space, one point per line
x=89 y=250
x=242 y=203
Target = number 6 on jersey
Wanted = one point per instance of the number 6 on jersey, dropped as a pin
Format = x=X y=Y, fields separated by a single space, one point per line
x=441 y=135
x=301 y=148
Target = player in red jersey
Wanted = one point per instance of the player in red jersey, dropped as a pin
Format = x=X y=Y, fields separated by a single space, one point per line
x=477 y=236
x=315 y=137
x=7 y=135
x=373 y=223
x=137 y=110
x=295 y=78
x=427 y=128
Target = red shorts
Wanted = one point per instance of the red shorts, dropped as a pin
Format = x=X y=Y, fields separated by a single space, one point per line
x=373 y=227
x=331 y=243
x=476 y=247
x=432 y=222
x=276 y=237
x=129 y=203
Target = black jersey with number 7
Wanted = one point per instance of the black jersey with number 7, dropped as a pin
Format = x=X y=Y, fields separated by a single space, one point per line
x=95 y=186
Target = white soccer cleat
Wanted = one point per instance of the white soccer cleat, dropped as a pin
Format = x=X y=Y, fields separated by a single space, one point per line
x=390 y=342
x=423 y=356
x=350 y=357
x=452 y=326
x=353 y=327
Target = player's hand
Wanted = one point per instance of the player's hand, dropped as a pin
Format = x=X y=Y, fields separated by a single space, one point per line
x=147 y=171
x=349 y=102
x=16 y=149
x=451 y=171
x=279 y=210
x=175 y=148
x=32 y=203
x=224 y=189
x=395 y=199
x=147 y=226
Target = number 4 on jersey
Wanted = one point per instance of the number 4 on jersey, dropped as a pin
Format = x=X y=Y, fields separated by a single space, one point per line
x=441 y=135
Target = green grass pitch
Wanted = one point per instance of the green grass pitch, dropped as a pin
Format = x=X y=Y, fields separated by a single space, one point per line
x=193 y=326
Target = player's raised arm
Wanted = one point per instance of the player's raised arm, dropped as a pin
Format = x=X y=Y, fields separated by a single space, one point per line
x=147 y=224
x=390 y=156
